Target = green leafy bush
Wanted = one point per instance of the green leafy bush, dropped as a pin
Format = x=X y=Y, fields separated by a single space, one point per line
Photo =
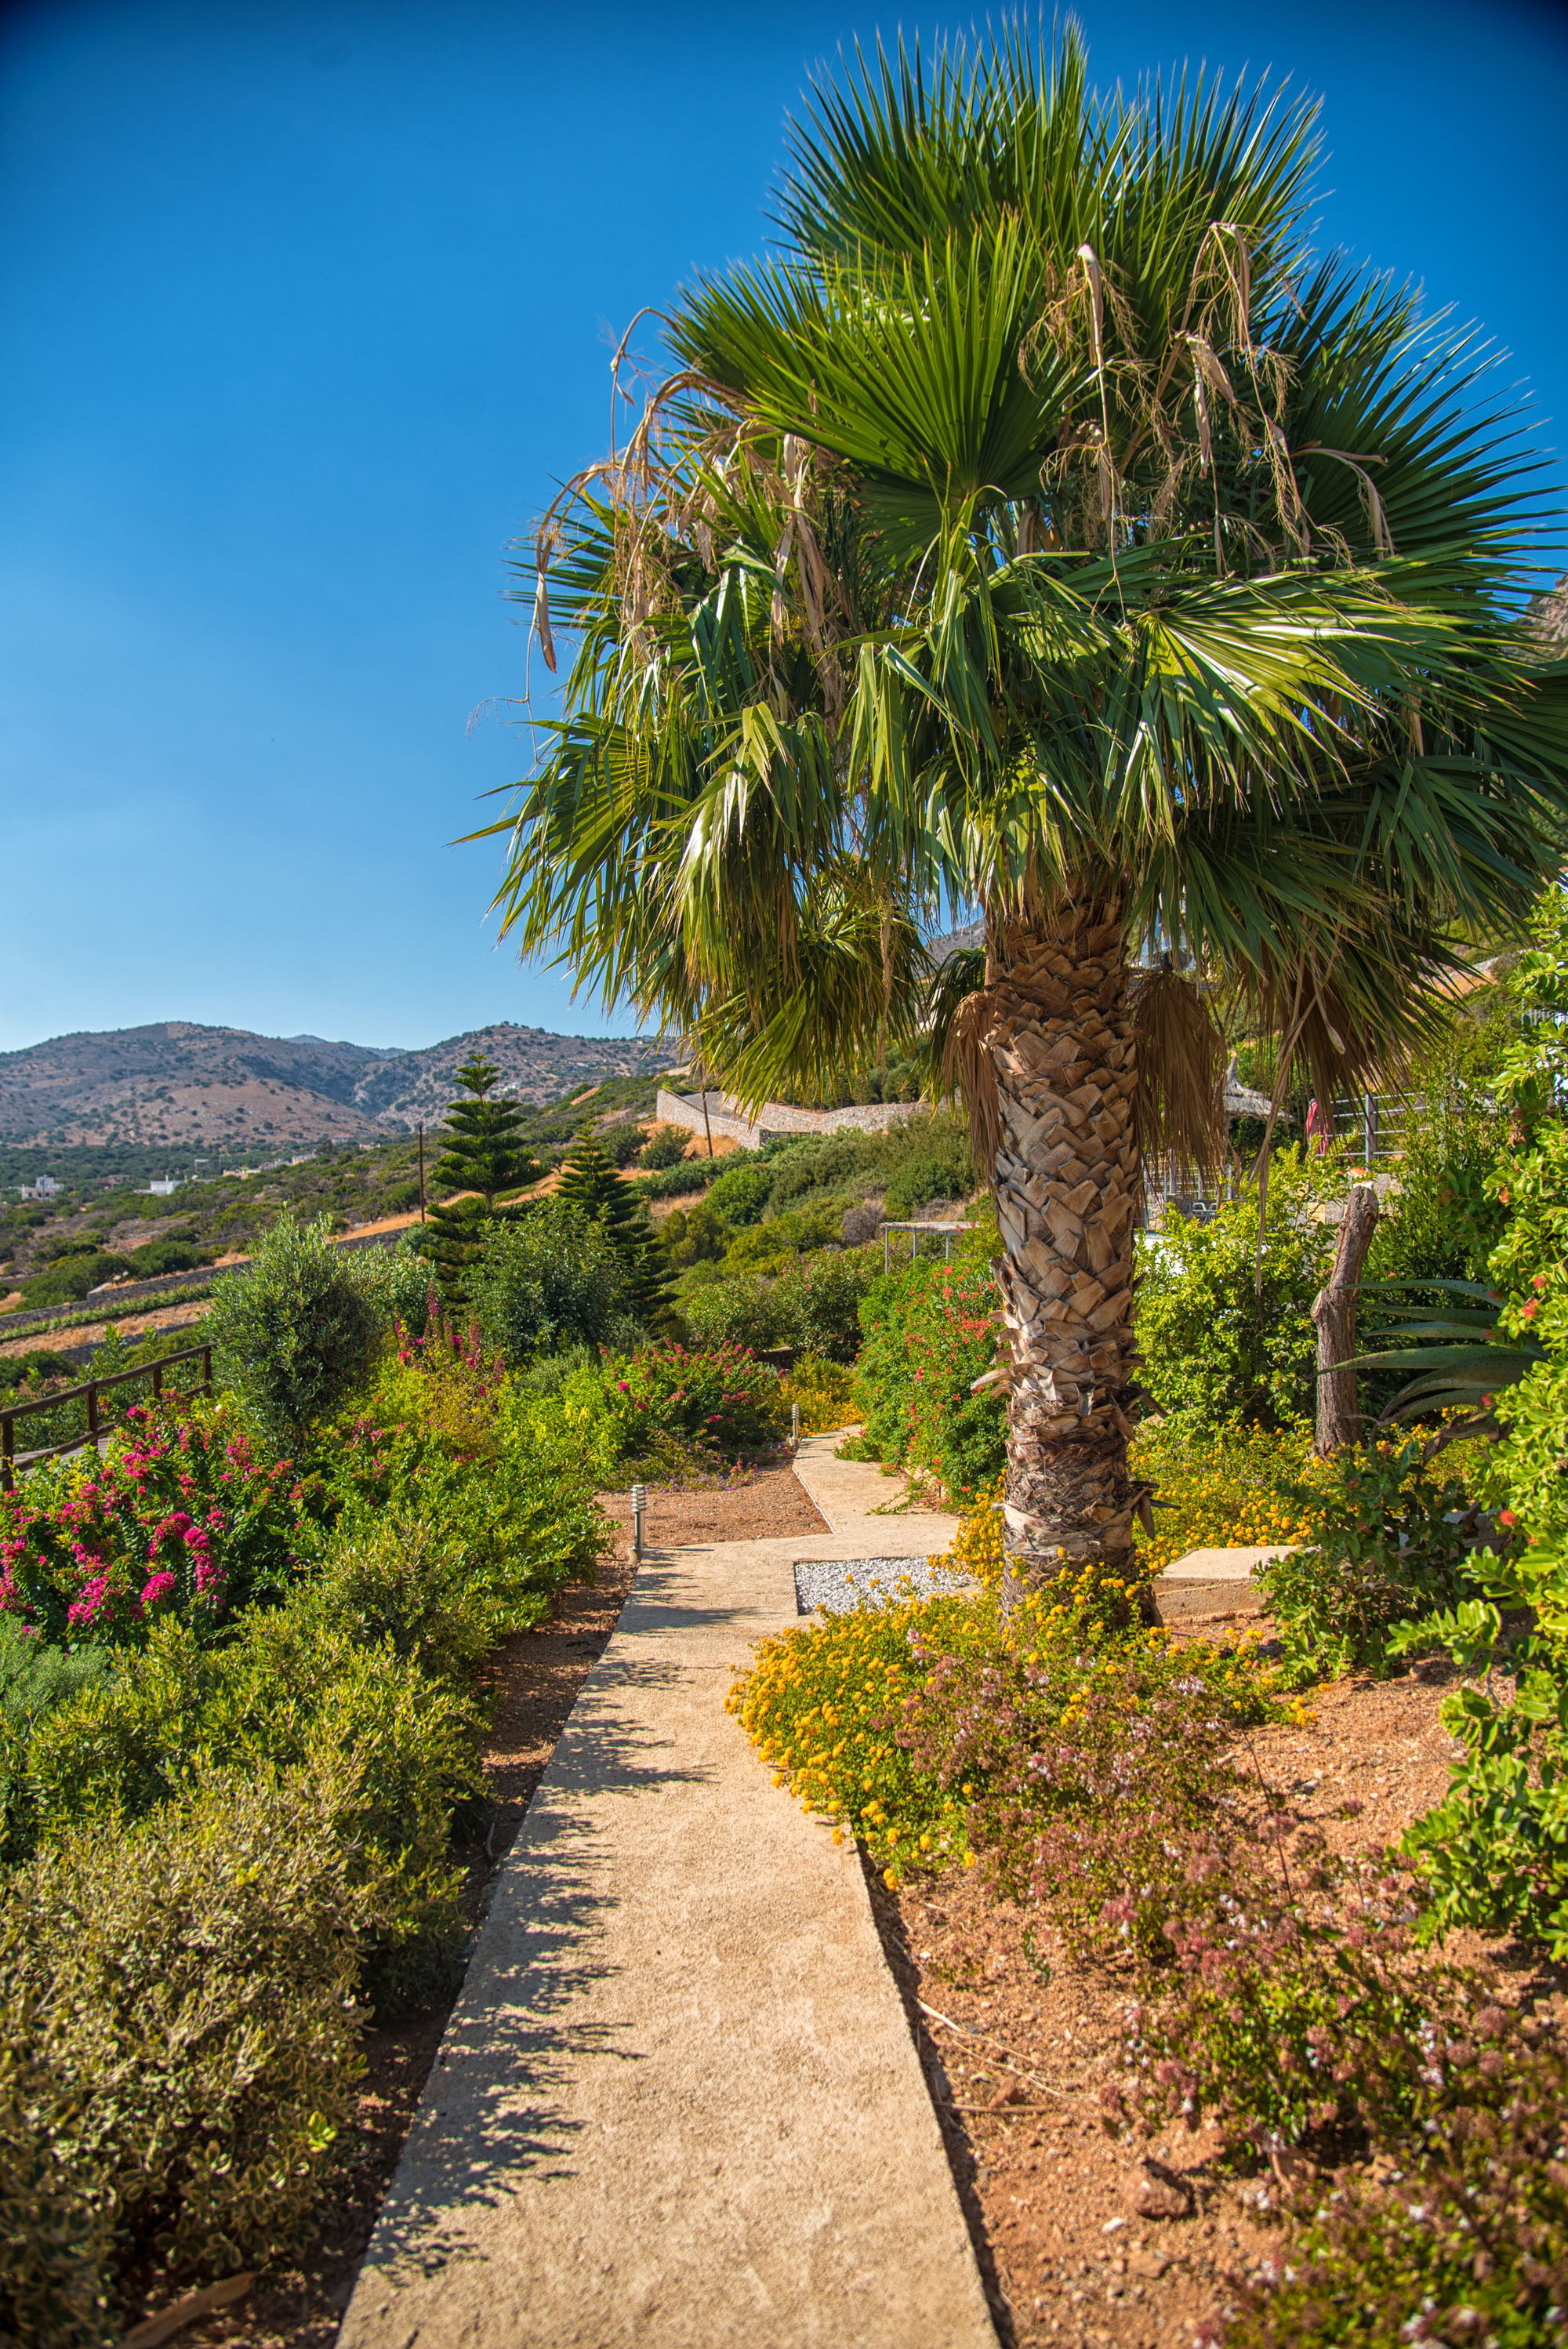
x=296 y=1330
x=501 y=1475
x=724 y=1399
x=929 y=1334
x=550 y=1280
x=666 y=1146
x=180 y=2047
x=1391 y=1538
x=738 y=1311
x=740 y=1194
x=816 y=1302
x=699 y=1237
x=677 y=1181
x=398 y=1746
x=71 y=1277
x=1213 y=1345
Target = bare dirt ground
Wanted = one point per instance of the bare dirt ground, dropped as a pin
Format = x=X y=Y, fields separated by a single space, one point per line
x=1016 y=2039
x=756 y=1505
x=88 y=1332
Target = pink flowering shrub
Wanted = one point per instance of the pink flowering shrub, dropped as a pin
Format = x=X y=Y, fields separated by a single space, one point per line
x=722 y=1399
x=184 y=1518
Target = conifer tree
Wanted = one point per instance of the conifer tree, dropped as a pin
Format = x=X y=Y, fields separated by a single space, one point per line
x=485 y=1155
x=590 y=1182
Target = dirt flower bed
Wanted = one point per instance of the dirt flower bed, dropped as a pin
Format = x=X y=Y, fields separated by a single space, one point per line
x=1089 y=2237
x=745 y=1505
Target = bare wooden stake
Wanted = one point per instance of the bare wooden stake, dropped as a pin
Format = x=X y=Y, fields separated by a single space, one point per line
x=1334 y=1317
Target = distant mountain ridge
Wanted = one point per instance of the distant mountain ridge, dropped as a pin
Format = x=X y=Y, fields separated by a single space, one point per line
x=198 y=1087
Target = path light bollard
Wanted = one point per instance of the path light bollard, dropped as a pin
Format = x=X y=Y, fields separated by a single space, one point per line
x=639 y=1500
x=795 y=1426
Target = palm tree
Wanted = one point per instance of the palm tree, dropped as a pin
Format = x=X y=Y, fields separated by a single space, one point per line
x=1045 y=531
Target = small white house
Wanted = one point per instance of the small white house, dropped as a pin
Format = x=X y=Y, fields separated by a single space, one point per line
x=45 y=1187
x=164 y=1187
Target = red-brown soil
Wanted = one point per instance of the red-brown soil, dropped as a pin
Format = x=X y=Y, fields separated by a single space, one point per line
x=756 y=1505
x=1016 y=2039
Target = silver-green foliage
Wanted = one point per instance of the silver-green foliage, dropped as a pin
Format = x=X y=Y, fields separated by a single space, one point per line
x=298 y=1328
x=176 y=2011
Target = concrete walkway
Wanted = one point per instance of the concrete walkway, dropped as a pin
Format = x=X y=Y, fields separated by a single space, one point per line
x=677 y=2105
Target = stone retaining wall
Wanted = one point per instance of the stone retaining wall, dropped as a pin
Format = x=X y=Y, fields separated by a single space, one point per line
x=776 y=1119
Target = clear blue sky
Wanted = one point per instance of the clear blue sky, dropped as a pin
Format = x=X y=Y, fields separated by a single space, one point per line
x=303 y=310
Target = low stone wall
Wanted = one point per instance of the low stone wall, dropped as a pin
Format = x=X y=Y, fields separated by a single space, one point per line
x=776 y=1119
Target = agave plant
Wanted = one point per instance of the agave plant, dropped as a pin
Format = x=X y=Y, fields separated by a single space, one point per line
x=1044 y=530
x=1452 y=1346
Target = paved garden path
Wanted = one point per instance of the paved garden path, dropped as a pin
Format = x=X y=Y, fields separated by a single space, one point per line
x=677 y=2105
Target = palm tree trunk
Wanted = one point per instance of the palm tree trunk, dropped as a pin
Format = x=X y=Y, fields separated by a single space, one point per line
x=1067 y=1183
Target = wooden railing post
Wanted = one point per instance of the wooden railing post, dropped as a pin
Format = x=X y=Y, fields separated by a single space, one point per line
x=157 y=1381
x=7 y=1451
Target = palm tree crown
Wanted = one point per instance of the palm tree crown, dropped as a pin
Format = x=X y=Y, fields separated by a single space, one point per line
x=1046 y=530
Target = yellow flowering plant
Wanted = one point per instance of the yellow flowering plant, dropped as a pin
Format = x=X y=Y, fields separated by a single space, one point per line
x=825 y=1392
x=914 y=1725
x=1233 y=1486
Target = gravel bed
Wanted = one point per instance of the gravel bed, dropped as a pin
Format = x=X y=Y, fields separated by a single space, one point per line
x=839 y=1585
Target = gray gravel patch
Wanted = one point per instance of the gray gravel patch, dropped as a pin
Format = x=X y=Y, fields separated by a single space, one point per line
x=840 y=1584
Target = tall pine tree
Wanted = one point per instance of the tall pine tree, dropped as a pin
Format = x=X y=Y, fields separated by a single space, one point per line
x=589 y=1181
x=485 y=1155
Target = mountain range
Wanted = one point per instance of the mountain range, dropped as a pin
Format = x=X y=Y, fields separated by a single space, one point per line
x=194 y=1087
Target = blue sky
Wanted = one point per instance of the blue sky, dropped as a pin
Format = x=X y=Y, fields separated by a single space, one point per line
x=303 y=311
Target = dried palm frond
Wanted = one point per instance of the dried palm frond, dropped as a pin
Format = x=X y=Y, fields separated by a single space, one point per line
x=1178 y=1106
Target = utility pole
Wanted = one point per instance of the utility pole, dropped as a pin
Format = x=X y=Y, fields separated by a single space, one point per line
x=421 y=1171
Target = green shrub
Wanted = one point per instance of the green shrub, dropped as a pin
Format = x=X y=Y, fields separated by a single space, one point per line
x=920 y=1180
x=552 y=1279
x=500 y=1477
x=296 y=1330
x=723 y=1399
x=816 y=1302
x=699 y=1237
x=179 y=2000
x=930 y=1332
x=816 y=1163
x=738 y=1311
x=773 y=1245
x=677 y=1181
x=1383 y=1550
x=667 y=1147
x=1212 y=1345
x=395 y=1282
x=392 y=1580
x=398 y=1746
x=740 y=1194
